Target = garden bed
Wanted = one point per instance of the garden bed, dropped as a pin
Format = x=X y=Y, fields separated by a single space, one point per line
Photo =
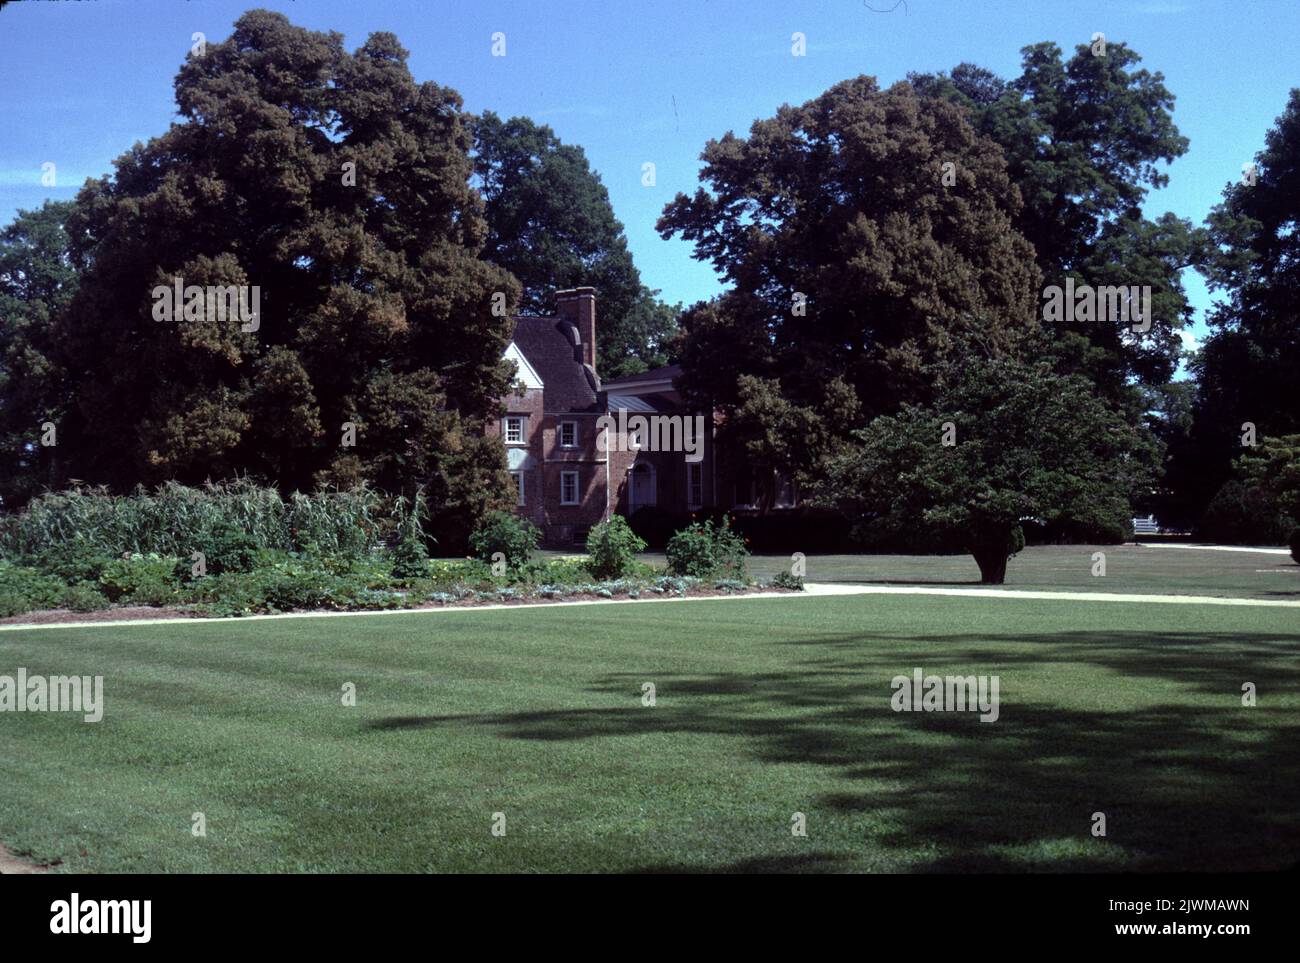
x=135 y=613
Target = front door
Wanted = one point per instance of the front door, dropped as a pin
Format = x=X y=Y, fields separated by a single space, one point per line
x=641 y=491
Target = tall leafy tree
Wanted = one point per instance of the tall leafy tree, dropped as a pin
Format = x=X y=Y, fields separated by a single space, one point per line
x=1084 y=140
x=550 y=223
x=854 y=258
x=1004 y=440
x=37 y=279
x=340 y=188
x=1248 y=369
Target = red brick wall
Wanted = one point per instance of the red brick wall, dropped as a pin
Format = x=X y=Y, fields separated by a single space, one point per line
x=530 y=404
x=542 y=488
x=562 y=521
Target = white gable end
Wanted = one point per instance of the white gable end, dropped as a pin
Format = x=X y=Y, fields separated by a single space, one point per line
x=525 y=372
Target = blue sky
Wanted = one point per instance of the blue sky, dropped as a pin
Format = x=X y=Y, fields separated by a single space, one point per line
x=641 y=81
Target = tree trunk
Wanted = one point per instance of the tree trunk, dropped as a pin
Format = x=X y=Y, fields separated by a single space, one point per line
x=991 y=556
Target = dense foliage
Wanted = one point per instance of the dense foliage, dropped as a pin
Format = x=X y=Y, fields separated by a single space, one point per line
x=551 y=225
x=1084 y=139
x=705 y=549
x=504 y=537
x=1004 y=441
x=852 y=267
x=1248 y=370
x=335 y=190
x=177 y=520
x=612 y=548
x=76 y=574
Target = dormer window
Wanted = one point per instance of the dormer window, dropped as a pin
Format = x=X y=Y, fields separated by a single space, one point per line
x=568 y=434
x=513 y=429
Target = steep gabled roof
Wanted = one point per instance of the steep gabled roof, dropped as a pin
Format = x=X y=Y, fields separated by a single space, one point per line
x=551 y=347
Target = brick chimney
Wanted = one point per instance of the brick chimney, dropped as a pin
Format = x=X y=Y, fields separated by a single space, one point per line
x=578 y=307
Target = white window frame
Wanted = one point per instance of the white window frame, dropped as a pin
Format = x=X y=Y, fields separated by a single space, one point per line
x=577 y=494
x=518 y=476
x=694 y=481
x=522 y=422
x=572 y=426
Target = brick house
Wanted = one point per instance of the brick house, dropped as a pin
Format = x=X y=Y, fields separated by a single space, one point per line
x=579 y=450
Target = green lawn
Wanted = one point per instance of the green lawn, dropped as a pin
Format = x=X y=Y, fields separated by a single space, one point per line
x=765 y=707
x=1129 y=568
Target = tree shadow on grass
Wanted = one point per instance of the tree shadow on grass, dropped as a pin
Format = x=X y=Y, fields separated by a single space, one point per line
x=1201 y=784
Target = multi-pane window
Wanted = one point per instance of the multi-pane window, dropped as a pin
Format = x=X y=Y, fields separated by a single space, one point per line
x=568 y=488
x=514 y=431
x=518 y=476
x=568 y=434
x=694 y=484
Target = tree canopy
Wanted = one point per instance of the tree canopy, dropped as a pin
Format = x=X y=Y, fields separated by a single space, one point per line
x=1084 y=140
x=1248 y=369
x=1003 y=441
x=851 y=259
x=550 y=223
x=37 y=279
x=339 y=189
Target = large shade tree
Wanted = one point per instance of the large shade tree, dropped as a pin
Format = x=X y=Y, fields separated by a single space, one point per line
x=550 y=223
x=37 y=279
x=1003 y=441
x=860 y=233
x=1085 y=139
x=340 y=188
x=1248 y=370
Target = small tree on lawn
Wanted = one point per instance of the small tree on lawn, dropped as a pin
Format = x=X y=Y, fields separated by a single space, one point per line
x=1003 y=440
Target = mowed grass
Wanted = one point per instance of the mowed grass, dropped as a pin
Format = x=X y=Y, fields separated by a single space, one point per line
x=764 y=708
x=1133 y=569
x=1136 y=569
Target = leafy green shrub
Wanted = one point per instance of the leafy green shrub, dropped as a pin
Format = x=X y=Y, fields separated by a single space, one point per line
x=410 y=558
x=275 y=590
x=14 y=603
x=24 y=589
x=83 y=597
x=514 y=537
x=228 y=548
x=1295 y=545
x=71 y=561
x=1242 y=514
x=556 y=571
x=788 y=580
x=704 y=550
x=460 y=570
x=28 y=588
x=143 y=579
x=613 y=547
x=304 y=589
